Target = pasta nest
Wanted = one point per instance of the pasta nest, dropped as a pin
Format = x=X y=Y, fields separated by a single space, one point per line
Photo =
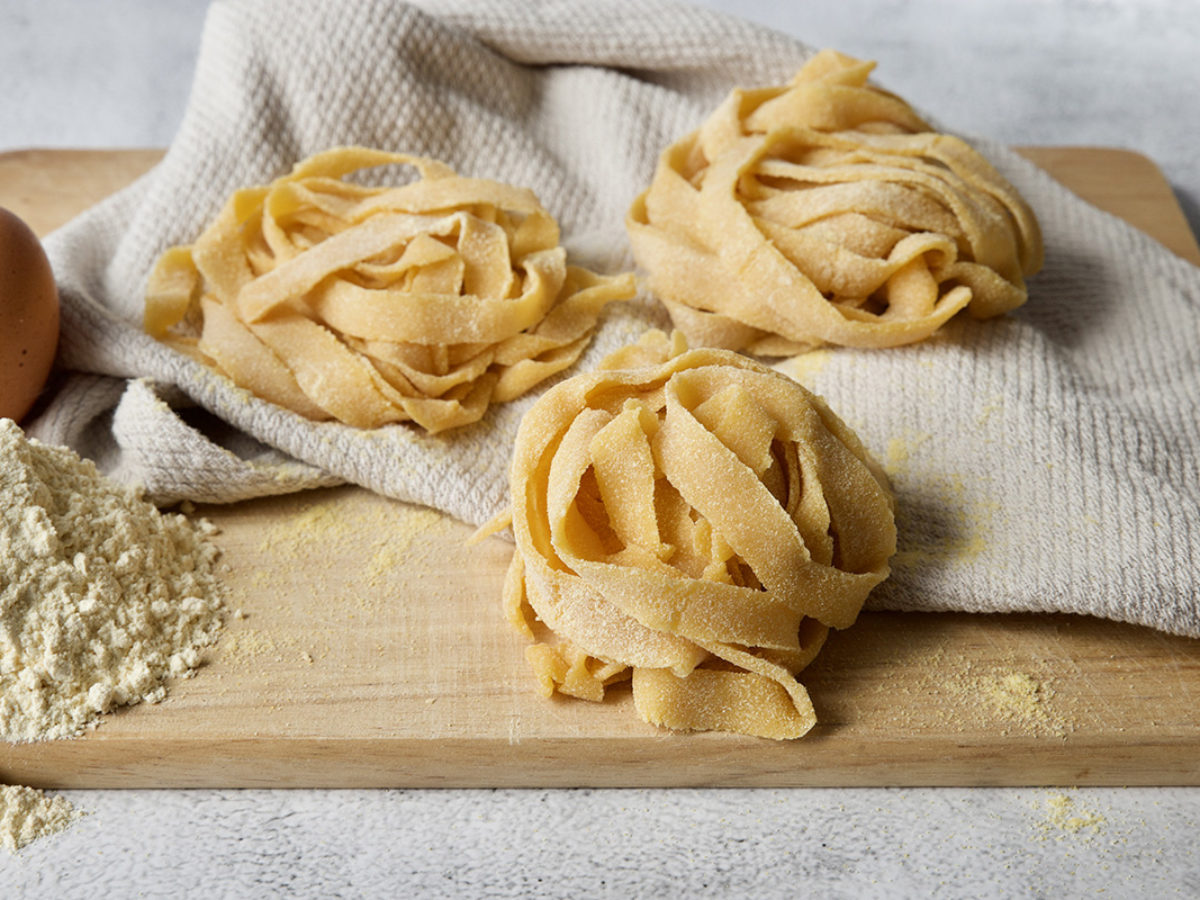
x=372 y=305
x=694 y=521
x=827 y=212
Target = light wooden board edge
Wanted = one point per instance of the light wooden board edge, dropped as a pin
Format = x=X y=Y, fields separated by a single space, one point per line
x=49 y=196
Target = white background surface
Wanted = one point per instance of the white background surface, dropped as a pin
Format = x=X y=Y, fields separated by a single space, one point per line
x=1069 y=72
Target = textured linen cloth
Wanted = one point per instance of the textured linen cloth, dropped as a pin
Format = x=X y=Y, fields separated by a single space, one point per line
x=1044 y=461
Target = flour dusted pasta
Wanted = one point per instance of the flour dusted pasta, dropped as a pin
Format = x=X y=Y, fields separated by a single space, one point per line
x=695 y=521
x=827 y=212
x=371 y=305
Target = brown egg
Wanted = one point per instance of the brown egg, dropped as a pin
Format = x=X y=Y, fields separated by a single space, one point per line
x=28 y=317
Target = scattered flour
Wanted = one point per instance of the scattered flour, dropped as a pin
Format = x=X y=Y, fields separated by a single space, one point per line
x=27 y=814
x=804 y=367
x=1022 y=702
x=969 y=519
x=1062 y=817
x=983 y=692
x=369 y=546
x=102 y=597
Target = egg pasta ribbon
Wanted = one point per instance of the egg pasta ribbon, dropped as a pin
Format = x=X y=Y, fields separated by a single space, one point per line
x=695 y=521
x=420 y=302
x=826 y=211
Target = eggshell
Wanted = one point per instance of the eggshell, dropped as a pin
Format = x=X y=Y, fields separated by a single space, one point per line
x=28 y=317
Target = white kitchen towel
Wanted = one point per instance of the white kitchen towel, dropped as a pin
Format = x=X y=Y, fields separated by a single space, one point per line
x=1044 y=461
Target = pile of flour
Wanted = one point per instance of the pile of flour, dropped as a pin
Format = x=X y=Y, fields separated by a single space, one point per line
x=27 y=814
x=101 y=595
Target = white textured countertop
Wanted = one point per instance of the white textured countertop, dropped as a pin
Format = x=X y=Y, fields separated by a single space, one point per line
x=1122 y=73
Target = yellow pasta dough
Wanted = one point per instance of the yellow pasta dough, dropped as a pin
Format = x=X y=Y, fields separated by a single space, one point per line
x=422 y=302
x=827 y=212
x=695 y=521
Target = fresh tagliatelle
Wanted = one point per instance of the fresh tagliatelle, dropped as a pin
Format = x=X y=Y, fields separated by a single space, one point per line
x=422 y=302
x=695 y=521
x=827 y=212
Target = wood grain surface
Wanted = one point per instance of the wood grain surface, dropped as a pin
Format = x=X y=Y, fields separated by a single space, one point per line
x=365 y=645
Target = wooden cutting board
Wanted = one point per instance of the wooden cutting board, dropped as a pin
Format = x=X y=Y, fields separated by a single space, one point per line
x=368 y=648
